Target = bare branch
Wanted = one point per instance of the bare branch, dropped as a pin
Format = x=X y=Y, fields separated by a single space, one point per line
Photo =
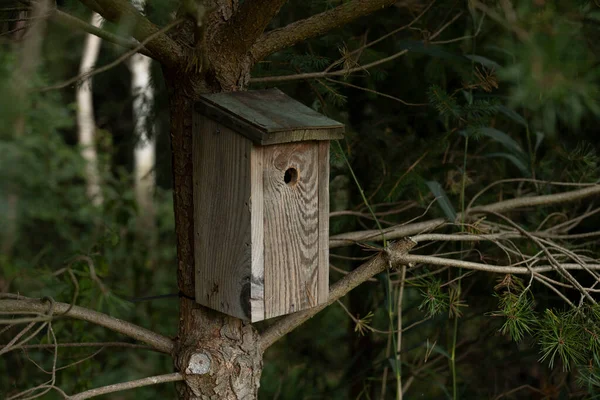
x=159 y=342
x=533 y=201
x=339 y=289
x=399 y=231
x=118 y=387
x=163 y=48
x=406 y=103
x=113 y=64
x=324 y=74
x=499 y=269
x=84 y=344
x=314 y=26
x=69 y=20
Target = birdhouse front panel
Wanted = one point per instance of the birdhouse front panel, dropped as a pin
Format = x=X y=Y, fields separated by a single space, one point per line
x=292 y=240
x=261 y=204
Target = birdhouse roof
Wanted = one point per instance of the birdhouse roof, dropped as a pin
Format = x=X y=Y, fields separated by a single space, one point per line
x=268 y=117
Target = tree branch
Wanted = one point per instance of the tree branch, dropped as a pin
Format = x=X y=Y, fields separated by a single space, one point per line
x=104 y=68
x=377 y=264
x=324 y=74
x=163 y=48
x=319 y=24
x=498 y=269
x=84 y=344
x=71 y=21
x=159 y=342
x=153 y=380
x=399 y=231
x=249 y=22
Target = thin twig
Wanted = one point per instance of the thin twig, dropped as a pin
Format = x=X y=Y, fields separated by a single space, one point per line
x=159 y=342
x=85 y=76
x=118 y=387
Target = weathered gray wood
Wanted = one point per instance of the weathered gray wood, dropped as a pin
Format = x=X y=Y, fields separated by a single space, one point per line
x=222 y=225
x=269 y=117
x=257 y=298
x=291 y=228
x=262 y=236
x=323 y=222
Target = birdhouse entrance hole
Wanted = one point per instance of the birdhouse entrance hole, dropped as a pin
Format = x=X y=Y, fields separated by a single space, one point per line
x=291 y=176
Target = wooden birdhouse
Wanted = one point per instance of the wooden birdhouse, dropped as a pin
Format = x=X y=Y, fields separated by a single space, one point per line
x=261 y=203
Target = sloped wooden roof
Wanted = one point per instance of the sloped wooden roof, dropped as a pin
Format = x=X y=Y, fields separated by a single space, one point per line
x=268 y=117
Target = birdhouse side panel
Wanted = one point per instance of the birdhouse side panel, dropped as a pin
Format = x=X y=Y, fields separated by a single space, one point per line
x=291 y=226
x=257 y=278
x=222 y=226
x=323 y=280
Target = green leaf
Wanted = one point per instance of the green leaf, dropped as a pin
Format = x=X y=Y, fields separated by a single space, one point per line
x=517 y=162
x=486 y=62
x=539 y=137
x=512 y=114
x=441 y=351
x=503 y=139
x=442 y=199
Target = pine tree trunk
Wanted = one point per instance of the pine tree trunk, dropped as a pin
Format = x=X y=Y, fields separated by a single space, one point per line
x=219 y=355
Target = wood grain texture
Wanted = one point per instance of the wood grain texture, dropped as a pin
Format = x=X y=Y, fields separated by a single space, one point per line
x=222 y=226
x=269 y=117
x=291 y=228
x=257 y=290
x=323 y=282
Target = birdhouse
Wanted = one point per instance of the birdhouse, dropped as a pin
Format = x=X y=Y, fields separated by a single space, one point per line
x=261 y=203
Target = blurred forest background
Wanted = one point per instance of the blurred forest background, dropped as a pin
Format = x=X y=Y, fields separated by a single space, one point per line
x=474 y=93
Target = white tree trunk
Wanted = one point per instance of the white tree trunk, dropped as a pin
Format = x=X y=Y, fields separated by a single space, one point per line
x=144 y=158
x=85 y=115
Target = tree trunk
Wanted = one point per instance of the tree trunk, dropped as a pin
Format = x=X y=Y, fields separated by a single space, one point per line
x=218 y=355
x=85 y=114
x=143 y=154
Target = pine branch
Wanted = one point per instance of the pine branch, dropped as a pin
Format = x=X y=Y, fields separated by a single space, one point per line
x=316 y=25
x=22 y=304
x=163 y=48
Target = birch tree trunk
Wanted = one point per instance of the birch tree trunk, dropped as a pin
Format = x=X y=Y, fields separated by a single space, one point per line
x=144 y=152
x=144 y=157
x=86 y=122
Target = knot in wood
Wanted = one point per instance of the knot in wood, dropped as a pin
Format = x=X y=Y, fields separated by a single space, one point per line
x=198 y=364
x=223 y=366
x=395 y=251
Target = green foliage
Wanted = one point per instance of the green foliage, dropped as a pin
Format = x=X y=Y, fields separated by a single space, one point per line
x=434 y=299
x=551 y=71
x=502 y=94
x=517 y=307
x=560 y=334
x=445 y=104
